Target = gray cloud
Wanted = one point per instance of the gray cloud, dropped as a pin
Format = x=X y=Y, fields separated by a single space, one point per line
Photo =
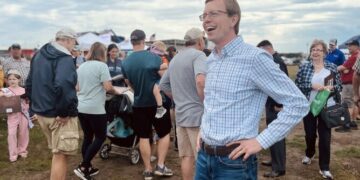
x=290 y=24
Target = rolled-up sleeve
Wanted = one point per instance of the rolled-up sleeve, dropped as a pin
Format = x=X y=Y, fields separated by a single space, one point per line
x=273 y=82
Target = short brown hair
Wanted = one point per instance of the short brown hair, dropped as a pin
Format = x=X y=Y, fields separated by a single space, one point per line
x=97 y=52
x=232 y=9
x=16 y=76
x=319 y=42
x=136 y=42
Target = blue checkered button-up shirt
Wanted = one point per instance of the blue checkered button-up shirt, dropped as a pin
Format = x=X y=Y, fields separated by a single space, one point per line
x=238 y=82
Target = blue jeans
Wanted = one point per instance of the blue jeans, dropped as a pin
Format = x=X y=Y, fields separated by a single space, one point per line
x=209 y=167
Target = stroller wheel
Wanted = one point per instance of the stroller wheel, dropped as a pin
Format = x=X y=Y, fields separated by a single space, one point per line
x=134 y=156
x=104 y=152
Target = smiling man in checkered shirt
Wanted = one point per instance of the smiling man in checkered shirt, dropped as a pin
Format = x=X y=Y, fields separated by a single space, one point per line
x=239 y=79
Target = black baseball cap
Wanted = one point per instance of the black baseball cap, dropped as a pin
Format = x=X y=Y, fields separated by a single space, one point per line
x=353 y=42
x=264 y=43
x=15 y=46
x=137 y=35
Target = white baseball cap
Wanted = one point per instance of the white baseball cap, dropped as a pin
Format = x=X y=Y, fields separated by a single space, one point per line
x=66 y=33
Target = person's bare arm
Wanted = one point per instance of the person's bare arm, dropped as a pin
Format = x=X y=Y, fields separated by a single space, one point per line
x=356 y=84
x=108 y=87
x=200 y=85
x=341 y=68
x=163 y=68
x=129 y=84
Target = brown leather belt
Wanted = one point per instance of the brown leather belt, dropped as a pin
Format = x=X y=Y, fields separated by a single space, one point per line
x=218 y=150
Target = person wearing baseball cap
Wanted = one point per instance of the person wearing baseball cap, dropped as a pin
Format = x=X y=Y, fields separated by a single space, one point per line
x=141 y=72
x=347 y=94
x=185 y=82
x=50 y=87
x=335 y=55
x=16 y=61
x=353 y=43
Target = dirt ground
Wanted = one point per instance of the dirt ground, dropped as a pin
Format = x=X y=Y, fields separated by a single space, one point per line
x=345 y=161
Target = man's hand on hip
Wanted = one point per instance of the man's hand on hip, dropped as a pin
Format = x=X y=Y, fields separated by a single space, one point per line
x=62 y=120
x=246 y=147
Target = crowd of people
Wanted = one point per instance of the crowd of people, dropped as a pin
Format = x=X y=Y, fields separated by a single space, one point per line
x=218 y=98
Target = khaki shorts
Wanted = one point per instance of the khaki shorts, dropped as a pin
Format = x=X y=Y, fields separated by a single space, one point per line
x=61 y=139
x=347 y=95
x=186 y=138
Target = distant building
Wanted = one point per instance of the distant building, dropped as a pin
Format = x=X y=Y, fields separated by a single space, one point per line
x=26 y=53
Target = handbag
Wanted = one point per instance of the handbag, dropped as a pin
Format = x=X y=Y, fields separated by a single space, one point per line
x=335 y=115
x=10 y=104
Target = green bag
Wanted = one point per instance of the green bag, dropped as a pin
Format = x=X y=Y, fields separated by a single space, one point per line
x=319 y=102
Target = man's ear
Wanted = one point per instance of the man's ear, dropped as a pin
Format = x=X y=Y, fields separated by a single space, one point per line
x=234 y=20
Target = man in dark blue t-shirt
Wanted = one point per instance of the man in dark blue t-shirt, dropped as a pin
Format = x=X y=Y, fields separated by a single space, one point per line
x=140 y=70
x=335 y=55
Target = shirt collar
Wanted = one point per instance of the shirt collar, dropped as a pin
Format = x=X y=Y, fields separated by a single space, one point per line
x=230 y=48
x=60 y=47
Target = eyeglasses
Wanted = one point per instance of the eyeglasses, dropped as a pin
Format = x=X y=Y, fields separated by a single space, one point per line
x=317 y=50
x=211 y=14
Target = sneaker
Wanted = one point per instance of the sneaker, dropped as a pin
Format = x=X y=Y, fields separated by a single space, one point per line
x=342 y=129
x=163 y=171
x=353 y=125
x=160 y=112
x=148 y=175
x=82 y=173
x=24 y=155
x=93 y=171
x=306 y=160
x=326 y=174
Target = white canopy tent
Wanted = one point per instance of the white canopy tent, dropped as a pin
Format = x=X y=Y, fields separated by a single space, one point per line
x=85 y=41
x=126 y=45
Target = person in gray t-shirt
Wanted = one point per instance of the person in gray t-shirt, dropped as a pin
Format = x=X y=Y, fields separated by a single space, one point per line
x=184 y=81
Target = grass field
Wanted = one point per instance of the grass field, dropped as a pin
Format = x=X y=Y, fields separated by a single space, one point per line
x=345 y=158
x=39 y=158
x=292 y=70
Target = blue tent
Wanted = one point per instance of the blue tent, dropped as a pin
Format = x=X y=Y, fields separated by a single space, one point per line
x=343 y=45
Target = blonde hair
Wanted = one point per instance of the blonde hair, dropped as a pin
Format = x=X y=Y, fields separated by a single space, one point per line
x=160 y=46
x=97 y=52
x=321 y=43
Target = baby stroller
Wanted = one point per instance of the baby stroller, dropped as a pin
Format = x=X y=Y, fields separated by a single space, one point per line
x=123 y=140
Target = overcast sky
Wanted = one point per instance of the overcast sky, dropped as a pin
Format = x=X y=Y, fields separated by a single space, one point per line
x=289 y=24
